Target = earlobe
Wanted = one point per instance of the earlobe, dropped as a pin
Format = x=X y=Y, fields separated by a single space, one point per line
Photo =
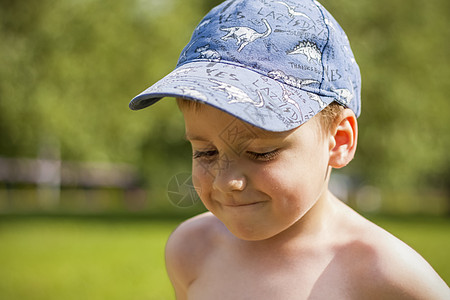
x=343 y=139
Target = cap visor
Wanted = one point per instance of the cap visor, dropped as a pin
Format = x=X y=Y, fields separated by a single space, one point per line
x=257 y=99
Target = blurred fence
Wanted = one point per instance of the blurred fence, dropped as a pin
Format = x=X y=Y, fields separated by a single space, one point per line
x=44 y=184
x=45 y=172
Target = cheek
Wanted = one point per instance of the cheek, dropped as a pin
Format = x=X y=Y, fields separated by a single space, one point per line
x=201 y=178
x=288 y=180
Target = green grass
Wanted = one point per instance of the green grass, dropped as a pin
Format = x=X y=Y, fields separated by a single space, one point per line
x=79 y=259
x=76 y=258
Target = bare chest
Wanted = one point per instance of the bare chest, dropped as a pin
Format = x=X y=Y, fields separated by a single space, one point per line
x=314 y=277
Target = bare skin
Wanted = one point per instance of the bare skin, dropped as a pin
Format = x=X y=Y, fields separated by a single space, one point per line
x=274 y=231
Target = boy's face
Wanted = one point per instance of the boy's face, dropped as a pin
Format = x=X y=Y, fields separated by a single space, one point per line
x=258 y=183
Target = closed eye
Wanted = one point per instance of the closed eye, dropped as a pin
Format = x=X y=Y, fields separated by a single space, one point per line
x=205 y=154
x=263 y=156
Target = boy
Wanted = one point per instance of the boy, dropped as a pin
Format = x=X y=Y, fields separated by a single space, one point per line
x=270 y=93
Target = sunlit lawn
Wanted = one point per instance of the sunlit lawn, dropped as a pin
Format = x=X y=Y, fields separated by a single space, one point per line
x=45 y=258
x=79 y=259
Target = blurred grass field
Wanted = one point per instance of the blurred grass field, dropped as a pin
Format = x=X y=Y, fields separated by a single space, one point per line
x=114 y=258
x=83 y=259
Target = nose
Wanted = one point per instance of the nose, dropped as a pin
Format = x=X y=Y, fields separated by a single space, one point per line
x=230 y=179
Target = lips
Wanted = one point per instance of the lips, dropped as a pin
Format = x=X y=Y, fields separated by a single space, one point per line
x=239 y=200
x=242 y=204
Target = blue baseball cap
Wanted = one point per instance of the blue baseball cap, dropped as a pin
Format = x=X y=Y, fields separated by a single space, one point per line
x=273 y=64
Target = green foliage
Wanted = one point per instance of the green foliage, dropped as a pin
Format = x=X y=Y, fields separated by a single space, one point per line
x=402 y=50
x=70 y=67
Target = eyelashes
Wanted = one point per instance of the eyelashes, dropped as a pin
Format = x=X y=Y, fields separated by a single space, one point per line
x=264 y=156
x=210 y=155
x=205 y=154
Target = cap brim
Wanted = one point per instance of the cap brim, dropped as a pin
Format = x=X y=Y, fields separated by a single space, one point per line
x=257 y=99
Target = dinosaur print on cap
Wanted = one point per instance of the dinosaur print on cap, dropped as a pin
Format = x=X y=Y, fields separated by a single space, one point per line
x=309 y=49
x=245 y=35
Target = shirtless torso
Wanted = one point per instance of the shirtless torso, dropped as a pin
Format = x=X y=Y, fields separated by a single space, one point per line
x=350 y=258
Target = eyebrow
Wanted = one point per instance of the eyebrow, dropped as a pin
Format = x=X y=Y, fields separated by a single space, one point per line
x=188 y=137
x=193 y=137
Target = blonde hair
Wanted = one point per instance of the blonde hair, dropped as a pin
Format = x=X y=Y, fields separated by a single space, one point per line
x=329 y=114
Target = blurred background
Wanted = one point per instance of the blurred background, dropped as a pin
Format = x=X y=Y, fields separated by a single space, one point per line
x=85 y=183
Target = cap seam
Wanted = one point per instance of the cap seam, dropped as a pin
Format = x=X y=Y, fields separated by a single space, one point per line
x=326 y=44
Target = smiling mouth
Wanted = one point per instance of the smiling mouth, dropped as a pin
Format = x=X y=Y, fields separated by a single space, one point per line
x=242 y=205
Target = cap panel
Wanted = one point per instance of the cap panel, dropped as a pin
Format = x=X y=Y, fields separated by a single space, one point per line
x=269 y=37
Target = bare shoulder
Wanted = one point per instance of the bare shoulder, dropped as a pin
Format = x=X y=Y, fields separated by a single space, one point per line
x=384 y=267
x=187 y=247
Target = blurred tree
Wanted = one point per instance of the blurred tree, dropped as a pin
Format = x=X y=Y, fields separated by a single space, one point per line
x=402 y=49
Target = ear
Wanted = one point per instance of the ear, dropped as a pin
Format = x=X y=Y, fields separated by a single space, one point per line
x=343 y=139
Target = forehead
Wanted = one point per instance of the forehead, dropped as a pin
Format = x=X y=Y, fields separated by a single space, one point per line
x=204 y=122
